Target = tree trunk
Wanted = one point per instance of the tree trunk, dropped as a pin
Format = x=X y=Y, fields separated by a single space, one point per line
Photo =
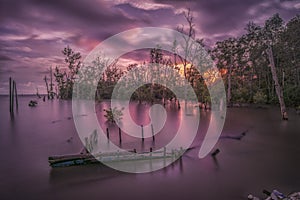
x=277 y=86
x=229 y=84
x=298 y=77
x=51 y=84
x=47 y=87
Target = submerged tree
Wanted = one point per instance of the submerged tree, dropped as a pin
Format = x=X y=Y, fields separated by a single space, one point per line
x=65 y=77
x=113 y=115
x=192 y=48
x=272 y=30
x=50 y=92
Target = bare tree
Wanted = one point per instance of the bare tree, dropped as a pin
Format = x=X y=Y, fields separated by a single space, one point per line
x=271 y=33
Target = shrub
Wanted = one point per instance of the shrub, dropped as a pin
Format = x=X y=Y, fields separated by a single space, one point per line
x=260 y=97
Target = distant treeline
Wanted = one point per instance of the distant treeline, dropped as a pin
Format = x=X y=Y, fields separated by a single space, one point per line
x=245 y=63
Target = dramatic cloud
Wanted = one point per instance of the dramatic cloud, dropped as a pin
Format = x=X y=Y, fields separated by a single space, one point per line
x=33 y=32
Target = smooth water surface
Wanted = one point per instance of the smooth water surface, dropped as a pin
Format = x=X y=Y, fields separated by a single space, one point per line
x=266 y=158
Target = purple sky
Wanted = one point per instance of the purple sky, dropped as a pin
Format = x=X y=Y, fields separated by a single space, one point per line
x=33 y=32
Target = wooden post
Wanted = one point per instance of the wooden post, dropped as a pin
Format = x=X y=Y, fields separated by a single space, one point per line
x=173 y=156
x=142 y=133
x=120 y=136
x=165 y=152
x=10 y=96
x=107 y=133
x=215 y=152
x=47 y=87
x=16 y=94
x=152 y=129
x=51 y=83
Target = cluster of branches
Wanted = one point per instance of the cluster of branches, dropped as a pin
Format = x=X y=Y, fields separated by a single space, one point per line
x=65 y=77
x=262 y=65
x=103 y=82
x=49 y=86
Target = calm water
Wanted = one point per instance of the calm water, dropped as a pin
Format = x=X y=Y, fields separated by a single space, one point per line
x=266 y=158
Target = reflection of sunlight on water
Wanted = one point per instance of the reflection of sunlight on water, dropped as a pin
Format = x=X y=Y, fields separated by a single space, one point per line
x=143 y=114
x=139 y=113
x=135 y=115
x=189 y=121
x=186 y=117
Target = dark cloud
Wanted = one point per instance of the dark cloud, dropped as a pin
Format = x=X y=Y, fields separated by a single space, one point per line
x=89 y=18
x=219 y=19
x=5 y=58
x=222 y=16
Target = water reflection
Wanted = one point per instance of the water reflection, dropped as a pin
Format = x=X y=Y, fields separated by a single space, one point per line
x=140 y=113
x=216 y=162
x=27 y=142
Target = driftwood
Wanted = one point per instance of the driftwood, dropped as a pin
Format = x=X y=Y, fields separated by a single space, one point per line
x=235 y=137
x=32 y=103
x=275 y=194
